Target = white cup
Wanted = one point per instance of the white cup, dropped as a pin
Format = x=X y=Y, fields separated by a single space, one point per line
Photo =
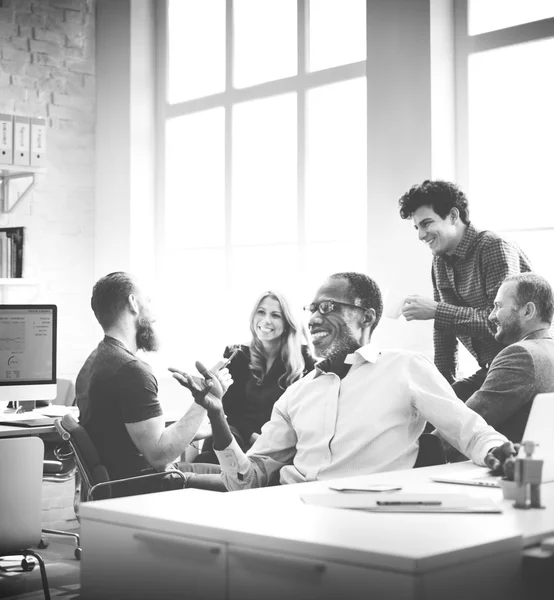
x=393 y=301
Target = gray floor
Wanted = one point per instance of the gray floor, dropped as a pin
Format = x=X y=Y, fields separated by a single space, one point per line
x=62 y=569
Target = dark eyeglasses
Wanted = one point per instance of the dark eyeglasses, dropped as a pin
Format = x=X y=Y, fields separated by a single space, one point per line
x=328 y=306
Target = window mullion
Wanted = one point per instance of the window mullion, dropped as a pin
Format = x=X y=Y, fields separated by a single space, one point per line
x=302 y=32
x=229 y=52
x=461 y=82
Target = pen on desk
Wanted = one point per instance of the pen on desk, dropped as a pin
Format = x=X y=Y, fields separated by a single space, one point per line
x=408 y=503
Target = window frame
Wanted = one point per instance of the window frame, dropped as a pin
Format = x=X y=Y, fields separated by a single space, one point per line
x=466 y=45
x=300 y=84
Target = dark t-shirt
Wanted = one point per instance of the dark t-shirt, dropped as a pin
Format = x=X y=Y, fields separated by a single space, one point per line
x=247 y=403
x=114 y=387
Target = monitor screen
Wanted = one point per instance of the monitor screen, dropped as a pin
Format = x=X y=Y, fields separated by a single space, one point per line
x=28 y=352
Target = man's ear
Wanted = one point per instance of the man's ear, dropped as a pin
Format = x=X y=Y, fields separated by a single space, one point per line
x=133 y=304
x=530 y=310
x=369 y=317
x=454 y=214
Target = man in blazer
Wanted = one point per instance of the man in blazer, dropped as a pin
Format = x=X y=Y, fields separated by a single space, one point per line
x=522 y=313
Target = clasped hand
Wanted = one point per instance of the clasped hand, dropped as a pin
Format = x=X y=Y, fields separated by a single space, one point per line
x=501 y=460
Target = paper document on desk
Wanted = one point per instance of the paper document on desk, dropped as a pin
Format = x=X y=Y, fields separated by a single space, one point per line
x=58 y=410
x=396 y=502
x=13 y=417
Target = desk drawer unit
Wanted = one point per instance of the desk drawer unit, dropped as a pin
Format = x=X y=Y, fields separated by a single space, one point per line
x=135 y=564
x=255 y=573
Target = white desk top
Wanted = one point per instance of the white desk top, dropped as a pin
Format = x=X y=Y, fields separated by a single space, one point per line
x=276 y=519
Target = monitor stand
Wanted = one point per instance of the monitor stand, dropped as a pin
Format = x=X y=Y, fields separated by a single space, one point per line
x=23 y=405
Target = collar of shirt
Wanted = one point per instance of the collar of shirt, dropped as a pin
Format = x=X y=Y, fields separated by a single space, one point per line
x=538 y=334
x=467 y=241
x=368 y=353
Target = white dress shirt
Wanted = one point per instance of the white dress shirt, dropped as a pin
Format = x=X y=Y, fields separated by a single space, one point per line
x=325 y=427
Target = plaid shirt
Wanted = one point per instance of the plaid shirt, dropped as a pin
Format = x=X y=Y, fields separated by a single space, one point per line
x=465 y=286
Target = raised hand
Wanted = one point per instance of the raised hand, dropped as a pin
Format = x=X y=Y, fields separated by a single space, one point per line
x=206 y=392
x=222 y=374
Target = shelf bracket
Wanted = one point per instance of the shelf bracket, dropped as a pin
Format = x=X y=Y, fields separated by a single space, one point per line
x=7 y=203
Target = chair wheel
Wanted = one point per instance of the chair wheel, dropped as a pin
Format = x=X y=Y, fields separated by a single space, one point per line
x=43 y=544
x=28 y=565
x=77 y=553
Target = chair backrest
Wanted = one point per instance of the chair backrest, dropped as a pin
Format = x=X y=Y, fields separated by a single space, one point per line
x=92 y=471
x=20 y=492
x=65 y=395
x=430 y=452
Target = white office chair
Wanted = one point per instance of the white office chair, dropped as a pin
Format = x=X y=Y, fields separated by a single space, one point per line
x=20 y=500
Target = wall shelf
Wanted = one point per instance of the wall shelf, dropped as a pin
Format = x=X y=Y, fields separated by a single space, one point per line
x=9 y=173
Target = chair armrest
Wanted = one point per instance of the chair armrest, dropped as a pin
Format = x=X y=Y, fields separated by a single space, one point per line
x=159 y=475
x=206 y=481
x=52 y=466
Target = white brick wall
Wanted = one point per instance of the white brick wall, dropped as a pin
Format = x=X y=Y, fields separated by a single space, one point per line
x=47 y=69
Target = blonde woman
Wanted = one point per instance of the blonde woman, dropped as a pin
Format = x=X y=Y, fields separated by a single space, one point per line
x=262 y=370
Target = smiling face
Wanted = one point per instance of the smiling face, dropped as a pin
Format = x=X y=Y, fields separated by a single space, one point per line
x=340 y=332
x=506 y=315
x=441 y=235
x=268 y=322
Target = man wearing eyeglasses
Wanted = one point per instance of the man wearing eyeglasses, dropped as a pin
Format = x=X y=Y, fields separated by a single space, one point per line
x=360 y=411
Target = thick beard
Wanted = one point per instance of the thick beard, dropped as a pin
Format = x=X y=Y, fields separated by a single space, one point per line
x=510 y=333
x=146 y=336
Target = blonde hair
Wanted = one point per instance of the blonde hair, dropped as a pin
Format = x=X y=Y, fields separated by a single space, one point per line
x=291 y=344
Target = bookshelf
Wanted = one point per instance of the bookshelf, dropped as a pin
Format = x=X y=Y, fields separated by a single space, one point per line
x=12 y=240
x=9 y=173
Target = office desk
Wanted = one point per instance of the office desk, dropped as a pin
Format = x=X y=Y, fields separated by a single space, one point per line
x=13 y=431
x=267 y=543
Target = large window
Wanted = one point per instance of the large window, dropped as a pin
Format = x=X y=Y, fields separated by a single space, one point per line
x=264 y=147
x=506 y=120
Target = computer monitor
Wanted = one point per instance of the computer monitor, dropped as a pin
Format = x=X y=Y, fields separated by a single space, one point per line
x=27 y=352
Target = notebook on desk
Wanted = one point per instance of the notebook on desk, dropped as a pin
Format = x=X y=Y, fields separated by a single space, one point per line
x=538 y=430
x=30 y=419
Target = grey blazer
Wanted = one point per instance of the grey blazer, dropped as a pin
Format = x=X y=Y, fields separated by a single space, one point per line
x=517 y=374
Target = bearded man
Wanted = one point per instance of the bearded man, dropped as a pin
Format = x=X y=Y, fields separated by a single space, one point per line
x=117 y=393
x=522 y=313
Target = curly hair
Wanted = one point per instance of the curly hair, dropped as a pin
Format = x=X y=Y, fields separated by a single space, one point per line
x=365 y=290
x=291 y=344
x=110 y=295
x=441 y=196
x=534 y=288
